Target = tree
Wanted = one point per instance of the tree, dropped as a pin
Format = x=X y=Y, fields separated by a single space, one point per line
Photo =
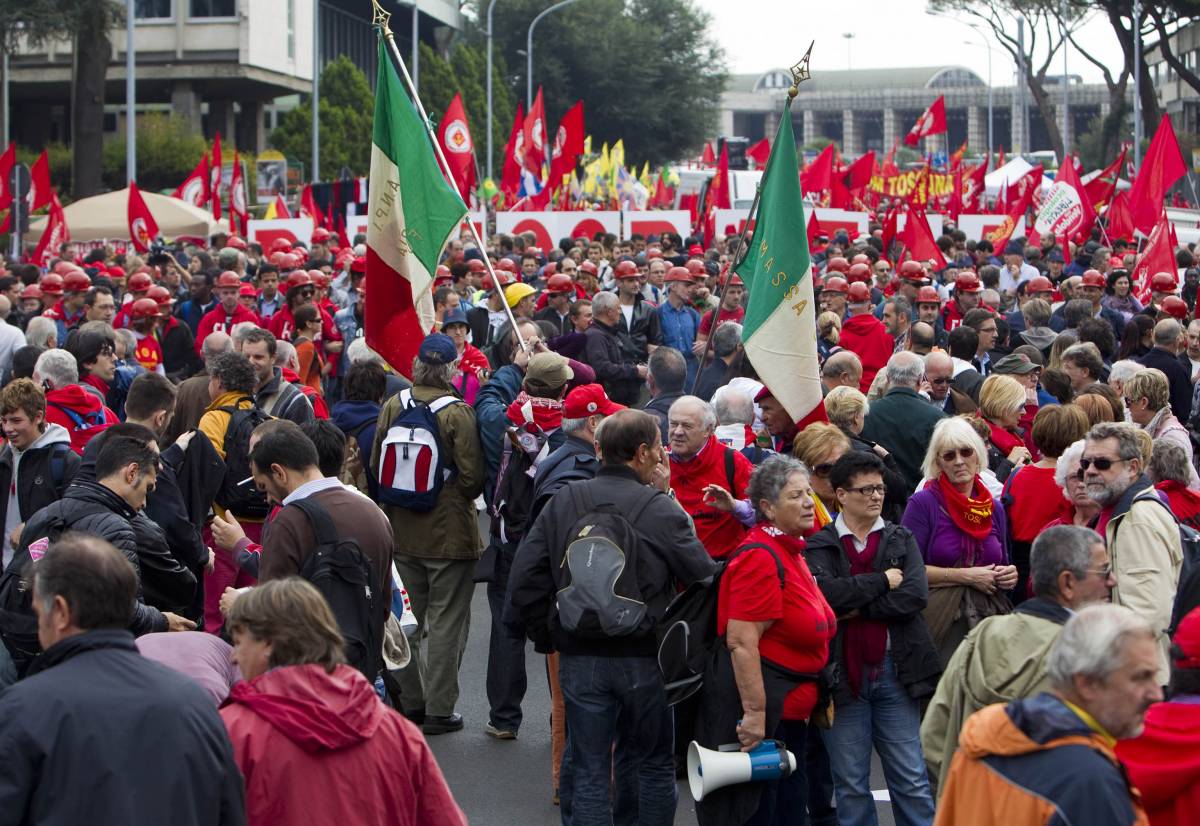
x=648 y=71
x=346 y=110
x=167 y=150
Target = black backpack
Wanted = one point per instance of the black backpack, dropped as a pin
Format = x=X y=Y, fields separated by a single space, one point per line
x=238 y=493
x=339 y=569
x=512 y=499
x=687 y=633
x=1187 y=592
x=599 y=594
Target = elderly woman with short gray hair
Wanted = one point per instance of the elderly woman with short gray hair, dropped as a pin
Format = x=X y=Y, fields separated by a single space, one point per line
x=776 y=626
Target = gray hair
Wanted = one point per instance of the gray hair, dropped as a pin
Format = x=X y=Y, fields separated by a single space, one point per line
x=433 y=375
x=1092 y=643
x=1123 y=370
x=1169 y=462
x=1062 y=468
x=770 y=478
x=574 y=425
x=127 y=338
x=904 y=369
x=240 y=331
x=901 y=306
x=733 y=406
x=228 y=258
x=668 y=369
x=39 y=330
x=214 y=344
x=707 y=417
x=726 y=339
x=1058 y=549
x=359 y=353
x=57 y=367
x=1167 y=332
x=602 y=302
x=952 y=433
x=1128 y=446
x=285 y=351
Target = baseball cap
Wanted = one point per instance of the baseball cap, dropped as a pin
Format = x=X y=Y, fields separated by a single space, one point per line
x=437 y=348
x=1015 y=364
x=549 y=370
x=456 y=316
x=1187 y=641
x=696 y=251
x=588 y=400
x=1055 y=256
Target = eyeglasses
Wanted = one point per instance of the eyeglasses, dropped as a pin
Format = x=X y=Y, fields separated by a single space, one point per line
x=940 y=382
x=1103 y=573
x=869 y=490
x=1101 y=462
x=822 y=469
x=964 y=453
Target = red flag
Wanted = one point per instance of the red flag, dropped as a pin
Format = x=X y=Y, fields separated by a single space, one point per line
x=718 y=188
x=1021 y=191
x=817 y=176
x=918 y=196
x=53 y=236
x=40 y=192
x=281 y=210
x=237 y=197
x=1161 y=168
x=889 y=162
x=1100 y=188
x=214 y=179
x=955 y=202
x=1000 y=160
x=931 y=122
x=194 y=189
x=708 y=157
x=858 y=175
x=455 y=137
x=1024 y=197
x=142 y=227
x=918 y=238
x=889 y=230
x=568 y=144
x=533 y=134
x=759 y=152
x=1120 y=220
x=514 y=153
x=1075 y=213
x=814 y=229
x=1157 y=256
x=309 y=208
x=956 y=158
x=6 y=164
x=974 y=191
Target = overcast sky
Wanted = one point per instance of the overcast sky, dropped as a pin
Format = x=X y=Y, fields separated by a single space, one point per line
x=764 y=34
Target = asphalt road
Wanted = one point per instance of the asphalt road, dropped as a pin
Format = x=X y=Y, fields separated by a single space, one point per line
x=507 y=783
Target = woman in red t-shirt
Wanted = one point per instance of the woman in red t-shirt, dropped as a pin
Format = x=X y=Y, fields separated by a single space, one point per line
x=788 y=627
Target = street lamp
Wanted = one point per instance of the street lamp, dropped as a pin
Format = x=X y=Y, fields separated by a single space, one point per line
x=491 y=5
x=991 y=102
x=130 y=95
x=848 y=36
x=529 y=50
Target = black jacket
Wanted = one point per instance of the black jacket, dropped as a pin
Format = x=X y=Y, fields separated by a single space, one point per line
x=912 y=648
x=37 y=486
x=669 y=555
x=574 y=461
x=284 y=400
x=903 y=423
x=1179 y=378
x=98 y=734
x=561 y=323
x=659 y=407
x=897 y=489
x=89 y=507
x=483 y=335
x=180 y=359
x=616 y=372
x=644 y=330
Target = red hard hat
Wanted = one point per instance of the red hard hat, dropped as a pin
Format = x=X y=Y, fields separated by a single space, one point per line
x=859 y=273
x=51 y=284
x=507 y=265
x=653 y=252
x=837 y=264
x=235 y=242
x=678 y=274
x=1041 y=284
x=505 y=277
x=475 y=265
x=246 y=290
x=590 y=268
x=442 y=271
x=228 y=279
x=534 y=251
x=1163 y=282
x=139 y=282
x=76 y=281
x=1093 y=278
x=281 y=245
x=560 y=283
x=115 y=272
x=861 y=258
x=321 y=281
x=836 y=284
x=626 y=269
x=696 y=267
x=359 y=264
x=968 y=282
x=1175 y=307
x=63 y=267
x=298 y=278
x=32 y=291
x=928 y=295
x=859 y=292
x=320 y=235
x=549 y=270
x=912 y=271
x=144 y=308
x=276 y=257
x=735 y=280
x=160 y=294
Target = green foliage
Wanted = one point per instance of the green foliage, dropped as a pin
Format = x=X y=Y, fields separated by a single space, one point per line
x=817 y=144
x=167 y=150
x=346 y=108
x=1099 y=144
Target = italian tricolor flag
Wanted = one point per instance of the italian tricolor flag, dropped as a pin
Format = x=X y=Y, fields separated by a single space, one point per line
x=412 y=212
x=780 y=331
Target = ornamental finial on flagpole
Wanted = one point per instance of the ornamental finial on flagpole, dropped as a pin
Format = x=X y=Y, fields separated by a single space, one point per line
x=800 y=72
x=381 y=18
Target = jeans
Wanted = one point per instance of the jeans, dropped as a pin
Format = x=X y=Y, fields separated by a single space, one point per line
x=616 y=700
x=506 y=680
x=886 y=717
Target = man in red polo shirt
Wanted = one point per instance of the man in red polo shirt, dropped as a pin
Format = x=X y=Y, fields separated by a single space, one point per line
x=731 y=309
x=228 y=312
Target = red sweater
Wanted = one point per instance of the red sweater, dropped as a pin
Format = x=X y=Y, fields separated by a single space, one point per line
x=217 y=320
x=720 y=532
x=865 y=336
x=1164 y=762
x=1037 y=500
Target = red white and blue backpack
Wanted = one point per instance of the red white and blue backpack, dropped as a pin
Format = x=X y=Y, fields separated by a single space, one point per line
x=413 y=464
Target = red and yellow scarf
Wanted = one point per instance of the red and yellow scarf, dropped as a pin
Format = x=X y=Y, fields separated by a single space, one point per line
x=972 y=515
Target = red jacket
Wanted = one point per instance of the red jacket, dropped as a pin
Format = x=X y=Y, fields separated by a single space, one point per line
x=321 y=748
x=866 y=337
x=1185 y=502
x=217 y=320
x=718 y=531
x=320 y=408
x=1164 y=763
x=80 y=411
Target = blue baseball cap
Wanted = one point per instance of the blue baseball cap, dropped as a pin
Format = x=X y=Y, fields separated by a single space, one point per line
x=456 y=316
x=437 y=348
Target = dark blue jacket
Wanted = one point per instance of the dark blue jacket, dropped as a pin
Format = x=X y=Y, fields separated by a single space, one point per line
x=491 y=414
x=359 y=418
x=1178 y=377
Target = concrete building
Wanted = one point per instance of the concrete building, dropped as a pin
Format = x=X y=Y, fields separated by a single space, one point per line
x=226 y=65
x=864 y=109
x=1177 y=98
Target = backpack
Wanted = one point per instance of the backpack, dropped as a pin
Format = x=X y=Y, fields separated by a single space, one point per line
x=413 y=466
x=599 y=595
x=525 y=446
x=238 y=493
x=687 y=633
x=83 y=428
x=1187 y=589
x=353 y=471
x=339 y=569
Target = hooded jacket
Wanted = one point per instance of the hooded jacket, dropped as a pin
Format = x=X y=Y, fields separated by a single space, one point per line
x=34 y=477
x=865 y=336
x=1002 y=659
x=1164 y=762
x=1036 y=762
x=317 y=747
x=81 y=413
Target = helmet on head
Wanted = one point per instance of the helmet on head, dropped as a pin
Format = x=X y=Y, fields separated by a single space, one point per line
x=475 y=265
x=32 y=291
x=859 y=293
x=144 y=308
x=1093 y=278
x=281 y=245
x=859 y=273
x=836 y=284
x=968 y=282
x=626 y=269
x=1163 y=282
x=298 y=279
x=589 y=268
x=76 y=281
x=928 y=295
x=559 y=283
x=63 y=267
x=235 y=242
x=507 y=265
x=513 y=293
x=320 y=235
x=678 y=275
x=51 y=284
x=912 y=271
x=505 y=278
x=1041 y=284
x=837 y=264
x=735 y=280
x=1175 y=307
x=161 y=294
x=549 y=270
x=321 y=281
x=442 y=271
x=861 y=258
x=228 y=279
x=139 y=282
x=115 y=272
x=695 y=266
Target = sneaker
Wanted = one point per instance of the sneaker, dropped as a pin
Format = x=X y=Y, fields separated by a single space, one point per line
x=442 y=725
x=499 y=733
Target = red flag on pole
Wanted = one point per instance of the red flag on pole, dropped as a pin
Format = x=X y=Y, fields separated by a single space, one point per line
x=53 y=236
x=510 y=173
x=708 y=157
x=1067 y=210
x=817 y=176
x=194 y=189
x=1161 y=168
x=1021 y=191
x=455 y=137
x=533 y=134
x=1100 y=188
x=309 y=208
x=40 y=192
x=759 y=152
x=956 y=158
x=568 y=144
x=142 y=227
x=858 y=174
x=1119 y=218
x=279 y=209
x=918 y=238
x=718 y=188
x=974 y=189
x=214 y=180
x=1157 y=256
x=889 y=230
x=931 y=122
x=6 y=164
x=955 y=202
x=237 y=198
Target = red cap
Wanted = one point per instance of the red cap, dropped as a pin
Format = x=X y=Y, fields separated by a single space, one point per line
x=696 y=251
x=228 y=279
x=859 y=273
x=928 y=295
x=115 y=272
x=163 y=296
x=1175 y=307
x=1186 y=639
x=245 y=290
x=359 y=264
x=1093 y=278
x=144 y=308
x=1041 y=284
x=1163 y=282
x=626 y=269
x=836 y=284
x=588 y=400
x=589 y=268
x=51 y=284
x=320 y=235
x=837 y=264
x=139 y=282
x=678 y=274
x=968 y=282
x=560 y=283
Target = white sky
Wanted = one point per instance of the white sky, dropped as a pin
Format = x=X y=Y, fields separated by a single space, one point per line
x=764 y=34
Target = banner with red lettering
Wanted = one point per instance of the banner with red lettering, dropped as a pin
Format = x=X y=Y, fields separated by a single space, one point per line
x=549 y=227
x=901 y=185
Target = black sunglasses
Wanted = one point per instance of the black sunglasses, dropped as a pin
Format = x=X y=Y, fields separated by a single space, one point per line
x=1101 y=463
x=962 y=453
x=822 y=469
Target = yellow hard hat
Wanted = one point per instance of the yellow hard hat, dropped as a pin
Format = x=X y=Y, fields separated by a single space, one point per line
x=513 y=293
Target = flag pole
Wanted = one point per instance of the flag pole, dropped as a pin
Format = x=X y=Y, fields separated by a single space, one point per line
x=380 y=21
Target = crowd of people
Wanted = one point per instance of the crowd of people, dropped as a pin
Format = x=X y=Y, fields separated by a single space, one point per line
x=240 y=550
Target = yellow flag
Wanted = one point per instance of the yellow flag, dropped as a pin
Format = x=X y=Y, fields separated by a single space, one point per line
x=605 y=162
x=645 y=178
x=270 y=211
x=587 y=145
x=618 y=156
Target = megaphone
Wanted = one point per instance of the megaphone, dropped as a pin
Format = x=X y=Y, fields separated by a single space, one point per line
x=709 y=770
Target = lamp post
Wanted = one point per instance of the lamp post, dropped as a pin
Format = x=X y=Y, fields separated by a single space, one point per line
x=1137 y=85
x=316 y=85
x=848 y=37
x=130 y=96
x=491 y=5
x=529 y=49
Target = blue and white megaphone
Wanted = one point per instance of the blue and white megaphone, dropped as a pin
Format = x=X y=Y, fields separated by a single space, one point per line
x=709 y=770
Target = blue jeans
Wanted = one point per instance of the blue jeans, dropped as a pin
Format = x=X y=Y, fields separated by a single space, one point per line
x=610 y=700
x=886 y=717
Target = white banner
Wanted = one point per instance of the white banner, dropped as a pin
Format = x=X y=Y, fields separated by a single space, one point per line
x=549 y=227
x=264 y=232
x=977 y=226
x=656 y=222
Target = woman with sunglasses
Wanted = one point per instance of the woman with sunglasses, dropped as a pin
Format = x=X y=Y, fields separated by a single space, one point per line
x=1079 y=508
x=1003 y=404
x=962 y=533
x=820 y=445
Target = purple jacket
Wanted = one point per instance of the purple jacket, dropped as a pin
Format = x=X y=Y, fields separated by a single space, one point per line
x=942 y=543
